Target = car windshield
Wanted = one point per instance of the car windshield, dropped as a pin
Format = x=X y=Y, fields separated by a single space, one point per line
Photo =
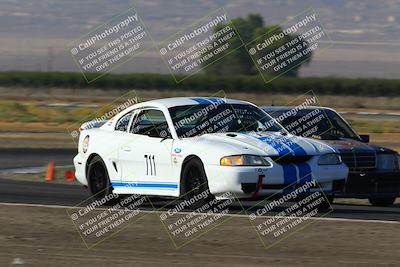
x=195 y=120
x=331 y=127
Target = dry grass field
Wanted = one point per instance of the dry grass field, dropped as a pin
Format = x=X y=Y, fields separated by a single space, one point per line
x=27 y=120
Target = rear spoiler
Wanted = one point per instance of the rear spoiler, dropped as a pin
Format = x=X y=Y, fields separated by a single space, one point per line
x=92 y=124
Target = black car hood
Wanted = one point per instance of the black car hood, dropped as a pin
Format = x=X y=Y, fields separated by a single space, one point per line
x=345 y=144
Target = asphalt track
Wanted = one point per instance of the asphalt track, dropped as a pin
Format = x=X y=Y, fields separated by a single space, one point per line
x=33 y=157
x=351 y=235
x=12 y=191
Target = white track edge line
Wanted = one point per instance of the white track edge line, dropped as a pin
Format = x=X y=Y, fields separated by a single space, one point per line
x=229 y=215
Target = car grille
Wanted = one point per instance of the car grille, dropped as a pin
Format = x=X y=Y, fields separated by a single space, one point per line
x=290 y=159
x=357 y=161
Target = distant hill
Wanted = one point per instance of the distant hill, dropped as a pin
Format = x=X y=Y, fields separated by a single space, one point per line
x=34 y=34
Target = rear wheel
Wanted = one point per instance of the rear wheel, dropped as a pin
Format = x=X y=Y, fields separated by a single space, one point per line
x=195 y=184
x=382 y=202
x=99 y=182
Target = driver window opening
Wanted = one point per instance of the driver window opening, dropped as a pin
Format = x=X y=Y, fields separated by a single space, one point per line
x=150 y=122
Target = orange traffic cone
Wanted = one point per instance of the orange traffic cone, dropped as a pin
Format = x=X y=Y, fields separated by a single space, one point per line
x=50 y=172
x=70 y=176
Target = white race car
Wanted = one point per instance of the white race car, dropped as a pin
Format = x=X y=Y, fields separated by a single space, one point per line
x=184 y=146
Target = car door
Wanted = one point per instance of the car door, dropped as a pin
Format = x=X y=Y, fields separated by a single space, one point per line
x=145 y=155
x=111 y=150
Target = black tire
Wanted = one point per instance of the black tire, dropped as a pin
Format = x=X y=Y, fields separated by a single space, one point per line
x=98 y=179
x=326 y=205
x=382 y=202
x=194 y=182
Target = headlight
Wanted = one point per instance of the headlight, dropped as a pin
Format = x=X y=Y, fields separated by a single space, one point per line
x=244 y=160
x=387 y=161
x=329 y=159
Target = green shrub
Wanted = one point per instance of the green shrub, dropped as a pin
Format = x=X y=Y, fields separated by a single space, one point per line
x=237 y=83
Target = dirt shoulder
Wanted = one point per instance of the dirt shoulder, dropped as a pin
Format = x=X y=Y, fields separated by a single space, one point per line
x=46 y=237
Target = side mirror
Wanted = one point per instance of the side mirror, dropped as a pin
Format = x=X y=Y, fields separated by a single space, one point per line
x=153 y=133
x=159 y=134
x=364 y=138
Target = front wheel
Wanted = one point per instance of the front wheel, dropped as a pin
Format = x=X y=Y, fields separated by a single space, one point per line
x=99 y=182
x=326 y=204
x=382 y=202
x=195 y=184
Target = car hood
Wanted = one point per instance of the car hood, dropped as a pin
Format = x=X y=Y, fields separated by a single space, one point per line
x=345 y=144
x=270 y=143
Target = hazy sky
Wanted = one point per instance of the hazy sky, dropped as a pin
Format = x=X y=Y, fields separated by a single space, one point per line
x=366 y=33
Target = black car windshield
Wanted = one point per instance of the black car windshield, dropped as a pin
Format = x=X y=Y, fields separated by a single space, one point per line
x=195 y=120
x=332 y=126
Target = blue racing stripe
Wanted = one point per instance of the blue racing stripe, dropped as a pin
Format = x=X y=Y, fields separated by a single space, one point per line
x=201 y=101
x=304 y=173
x=217 y=100
x=289 y=176
x=277 y=145
x=298 y=150
x=145 y=185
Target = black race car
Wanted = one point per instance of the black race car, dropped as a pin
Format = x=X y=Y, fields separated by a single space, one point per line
x=374 y=170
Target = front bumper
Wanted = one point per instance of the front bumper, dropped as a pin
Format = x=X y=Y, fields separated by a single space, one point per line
x=372 y=184
x=242 y=181
x=80 y=169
